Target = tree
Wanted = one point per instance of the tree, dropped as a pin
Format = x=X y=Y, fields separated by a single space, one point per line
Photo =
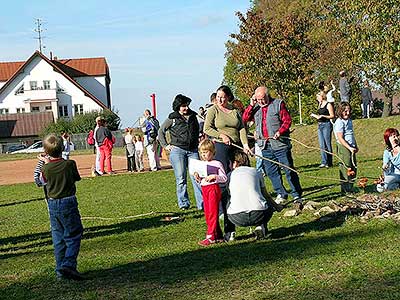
x=82 y=123
x=372 y=30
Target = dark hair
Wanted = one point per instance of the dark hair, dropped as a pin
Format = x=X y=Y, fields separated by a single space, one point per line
x=241 y=158
x=179 y=101
x=387 y=134
x=321 y=85
x=227 y=91
x=53 y=145
x=341 y=107
x=212 y=97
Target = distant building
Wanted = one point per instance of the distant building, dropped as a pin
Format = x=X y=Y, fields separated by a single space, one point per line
x=39 y=86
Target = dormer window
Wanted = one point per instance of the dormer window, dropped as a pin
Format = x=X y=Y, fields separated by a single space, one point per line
x=33 y=85
x=20 y=90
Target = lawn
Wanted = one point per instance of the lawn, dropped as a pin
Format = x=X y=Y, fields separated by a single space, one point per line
x=130 y=252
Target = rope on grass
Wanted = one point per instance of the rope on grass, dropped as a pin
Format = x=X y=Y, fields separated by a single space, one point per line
x=285 y=166
x=119 y=218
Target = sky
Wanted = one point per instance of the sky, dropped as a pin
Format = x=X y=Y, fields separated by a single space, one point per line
x=166 y=47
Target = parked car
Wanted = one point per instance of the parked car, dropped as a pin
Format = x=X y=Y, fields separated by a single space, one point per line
x=14 y=148
x=38 y=147
x=35 y=147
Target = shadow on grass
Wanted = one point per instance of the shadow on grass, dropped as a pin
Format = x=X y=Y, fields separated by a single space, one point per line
x=11 y=244
x=21 y=202
x=159 y=277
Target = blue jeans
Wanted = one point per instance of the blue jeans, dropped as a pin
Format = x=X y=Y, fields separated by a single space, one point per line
x=179 y=161
x=284 y=156
x=66 y=230
x=325 y=142
x=392 y=181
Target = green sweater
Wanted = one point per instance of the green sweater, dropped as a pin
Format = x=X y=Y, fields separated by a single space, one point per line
x=61 y=176
x=230 y=124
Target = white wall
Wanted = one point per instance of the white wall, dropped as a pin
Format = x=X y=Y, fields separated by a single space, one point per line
x=39 y=70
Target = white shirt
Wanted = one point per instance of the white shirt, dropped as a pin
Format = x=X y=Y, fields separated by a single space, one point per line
x=139 y=146
x=245 y=189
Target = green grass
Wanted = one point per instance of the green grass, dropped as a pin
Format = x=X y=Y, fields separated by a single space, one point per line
x=147 y=258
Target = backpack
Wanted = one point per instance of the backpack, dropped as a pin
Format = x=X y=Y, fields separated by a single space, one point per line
x=90 y=138
x=155 y=126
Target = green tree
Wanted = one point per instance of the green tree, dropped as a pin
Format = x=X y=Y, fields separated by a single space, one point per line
x=82 y=123
x=372 y=30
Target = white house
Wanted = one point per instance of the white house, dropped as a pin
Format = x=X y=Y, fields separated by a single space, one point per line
x=65 y=87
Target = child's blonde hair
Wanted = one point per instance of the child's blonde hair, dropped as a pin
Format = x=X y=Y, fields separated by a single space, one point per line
x=138 y=137
x=207 y=145
x=53 y=145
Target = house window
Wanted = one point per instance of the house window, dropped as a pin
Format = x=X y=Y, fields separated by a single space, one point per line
x=46 y=84
x=20 y=110
x=35 y=109
x=63 y=110
x=3 y=111
x=48 y=108
x=33 y=85
x=59 y=88
x=20 y=90
x=78 y=109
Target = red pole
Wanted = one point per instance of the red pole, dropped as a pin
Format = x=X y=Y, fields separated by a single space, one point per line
x=153 y=103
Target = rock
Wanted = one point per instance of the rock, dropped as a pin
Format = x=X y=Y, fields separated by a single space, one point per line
x=326 y=209
x=344 y=208
x=290 y=213
x=310 y=206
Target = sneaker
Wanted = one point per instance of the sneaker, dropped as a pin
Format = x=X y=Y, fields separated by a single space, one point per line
x=59 y=276
x=206 y=242
x=184 y=207
x=280 y=199
x=71 y=273
x=323 y=166
x=111 y=173
x=298 y=204
x=259 y=231
x=380 y=187
x=229 y=236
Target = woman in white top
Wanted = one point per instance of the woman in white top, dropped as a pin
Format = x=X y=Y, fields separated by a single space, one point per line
x=139 y=153
x=130 y=150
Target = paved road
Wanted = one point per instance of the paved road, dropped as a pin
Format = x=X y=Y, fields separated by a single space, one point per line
x=21 y=171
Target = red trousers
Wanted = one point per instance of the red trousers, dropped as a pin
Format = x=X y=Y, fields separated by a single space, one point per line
x=105 y=156
x=211 y=198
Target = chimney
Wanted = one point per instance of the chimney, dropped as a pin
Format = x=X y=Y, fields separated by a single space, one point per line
x=51 y=55
x=55 y=57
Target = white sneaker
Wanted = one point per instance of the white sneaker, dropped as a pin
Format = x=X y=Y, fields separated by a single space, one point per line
x=230 y=236
x=259 y=231
x=279 y=199
x=380 y=188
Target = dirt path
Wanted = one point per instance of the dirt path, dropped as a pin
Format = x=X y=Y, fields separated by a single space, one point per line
x=21 y=171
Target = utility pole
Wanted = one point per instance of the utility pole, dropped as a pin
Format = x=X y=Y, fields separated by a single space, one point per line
x=39 y=31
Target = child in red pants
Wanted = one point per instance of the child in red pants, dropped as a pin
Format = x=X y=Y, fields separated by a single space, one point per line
x=211 y=192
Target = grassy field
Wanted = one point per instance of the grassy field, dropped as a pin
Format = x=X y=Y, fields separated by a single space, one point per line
x=145 y=257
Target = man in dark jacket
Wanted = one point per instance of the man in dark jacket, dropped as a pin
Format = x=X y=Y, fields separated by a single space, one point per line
x=183 y=128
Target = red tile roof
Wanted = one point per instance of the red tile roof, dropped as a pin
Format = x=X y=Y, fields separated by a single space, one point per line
x=26 y=124
x=7 y=69
x=76 y=67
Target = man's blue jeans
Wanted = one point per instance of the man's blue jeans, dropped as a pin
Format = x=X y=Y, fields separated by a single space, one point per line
x=325 y=142
x=66 y=230
x=179 y=161
x=284 y=156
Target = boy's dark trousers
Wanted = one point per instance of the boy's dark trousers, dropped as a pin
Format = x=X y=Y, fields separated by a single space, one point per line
x=66 y=231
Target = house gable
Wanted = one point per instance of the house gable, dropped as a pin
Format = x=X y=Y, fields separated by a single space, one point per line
x=39 y=68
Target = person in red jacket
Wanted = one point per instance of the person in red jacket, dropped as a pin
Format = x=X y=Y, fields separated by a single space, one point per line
x=105 y=141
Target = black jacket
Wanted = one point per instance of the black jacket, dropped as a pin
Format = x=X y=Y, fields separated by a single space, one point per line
x=184 y=132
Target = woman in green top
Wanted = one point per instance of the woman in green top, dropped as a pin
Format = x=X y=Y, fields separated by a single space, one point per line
x=224 y=122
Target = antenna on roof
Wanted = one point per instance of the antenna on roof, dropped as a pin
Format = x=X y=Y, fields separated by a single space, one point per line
x=39 y=31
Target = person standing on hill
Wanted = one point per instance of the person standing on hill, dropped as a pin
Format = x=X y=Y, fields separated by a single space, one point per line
x=150 y=129
x=344 y=87
x=366 y=97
